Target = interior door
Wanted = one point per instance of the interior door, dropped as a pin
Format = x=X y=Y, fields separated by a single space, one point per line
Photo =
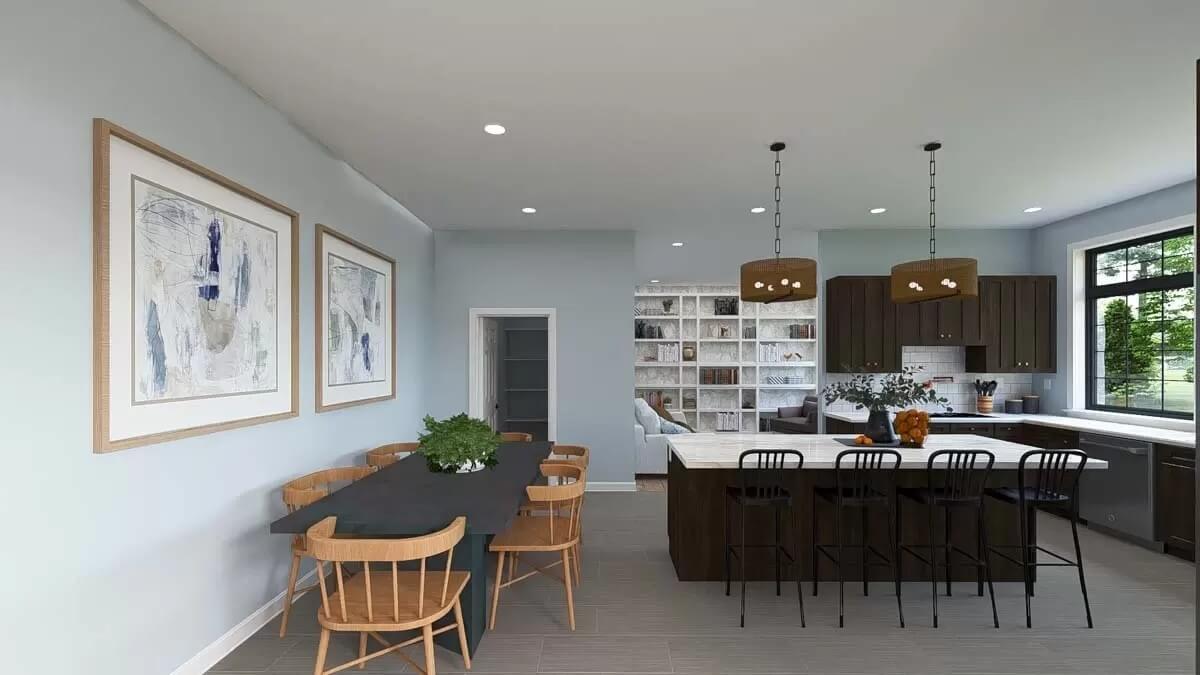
x=491 y=369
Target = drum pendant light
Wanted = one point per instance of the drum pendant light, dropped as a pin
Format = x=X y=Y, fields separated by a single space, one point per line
x=935 y=278
x=779 y=279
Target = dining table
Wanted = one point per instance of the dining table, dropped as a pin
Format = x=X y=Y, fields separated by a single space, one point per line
x=407 y=499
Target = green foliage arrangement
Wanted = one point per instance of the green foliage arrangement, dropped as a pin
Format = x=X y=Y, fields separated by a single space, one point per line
x=458 y=442
x=893 y=390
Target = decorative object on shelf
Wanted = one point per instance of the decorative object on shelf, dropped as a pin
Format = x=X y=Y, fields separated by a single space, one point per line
x=689 y=352
x=912 y=426
x=935 y=278
x=667 y=303
x=881 y=394
x=774 y=279
x=196 y=303
x=722 y=331
x=983 y=395
x=458 y=444
x=689 y=401
x=725 y=306
x=750 y=332
x=355 y=311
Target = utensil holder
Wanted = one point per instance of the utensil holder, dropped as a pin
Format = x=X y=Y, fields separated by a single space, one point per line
x=983 y=404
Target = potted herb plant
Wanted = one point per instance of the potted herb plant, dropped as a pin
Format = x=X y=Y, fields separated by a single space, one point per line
x=458 y=444
x=882 y=395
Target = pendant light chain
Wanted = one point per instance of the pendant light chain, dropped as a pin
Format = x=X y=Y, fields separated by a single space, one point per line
x=932 y=203
x=778 y=217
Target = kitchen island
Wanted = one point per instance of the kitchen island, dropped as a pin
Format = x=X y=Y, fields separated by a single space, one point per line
x=702 y=465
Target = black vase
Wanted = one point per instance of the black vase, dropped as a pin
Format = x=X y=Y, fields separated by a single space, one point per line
x=879 y=427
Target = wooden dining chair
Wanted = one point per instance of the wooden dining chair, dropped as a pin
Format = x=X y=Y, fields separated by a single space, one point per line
x=388 y=600
x=300 y=493
x=552 y=527
x=386 y=455
x=515 y=437
x=570 y=454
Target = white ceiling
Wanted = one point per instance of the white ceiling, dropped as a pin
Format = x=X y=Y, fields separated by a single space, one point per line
x=655 y=116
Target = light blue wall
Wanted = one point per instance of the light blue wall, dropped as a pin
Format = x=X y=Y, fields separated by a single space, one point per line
x=1051 y=255
x=130 y=563
x=588 y=277
x=852 y=251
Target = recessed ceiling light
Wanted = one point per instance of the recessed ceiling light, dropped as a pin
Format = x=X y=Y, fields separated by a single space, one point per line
x=528 y=209
x=494 y=129
x=757 y=209
x=1033 y=209
x=654 y=281
x=677 y=244
x=879 y=209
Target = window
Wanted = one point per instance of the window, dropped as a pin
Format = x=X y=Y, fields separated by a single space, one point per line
x=1141 y=305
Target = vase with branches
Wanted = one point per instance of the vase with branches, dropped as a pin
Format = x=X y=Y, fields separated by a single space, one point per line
x=881 y=395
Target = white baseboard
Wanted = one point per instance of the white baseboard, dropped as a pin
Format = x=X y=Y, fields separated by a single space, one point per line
x=219 y=649
x=611 y=486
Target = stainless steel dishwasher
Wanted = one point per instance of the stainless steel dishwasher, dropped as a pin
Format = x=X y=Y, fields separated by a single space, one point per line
x=1119 y=499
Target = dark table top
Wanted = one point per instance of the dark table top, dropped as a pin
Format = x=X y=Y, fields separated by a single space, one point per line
x=406 y=499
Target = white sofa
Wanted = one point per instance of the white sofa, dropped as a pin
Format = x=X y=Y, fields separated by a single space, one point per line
x=651 y=451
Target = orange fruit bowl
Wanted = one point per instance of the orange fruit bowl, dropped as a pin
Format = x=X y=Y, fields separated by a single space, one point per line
x=912 y=427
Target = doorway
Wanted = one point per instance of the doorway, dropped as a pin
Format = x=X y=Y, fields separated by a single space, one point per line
x=513 y=362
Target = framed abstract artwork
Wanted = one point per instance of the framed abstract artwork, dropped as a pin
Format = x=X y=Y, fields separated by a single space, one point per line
x=195 y=299
x=355 y=309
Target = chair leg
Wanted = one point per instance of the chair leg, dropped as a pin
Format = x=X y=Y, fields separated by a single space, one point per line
x=578 y=567
x=980 y=547
x=933 y=561
x=1025 y=564
x=985 y=558
x=1087 y=607
x=778 y=556
x=949 y=551
x=427 y=638
x=742 y=560
x=570 y=593
x=462 y=633
x=894 y=551
x=362 y=649
x=322 y=650
x=814 y=543
x=866 y=568
x=496 y=589
x=291 y=591
x=841 y=558
x=796 y=563
x=728 y=562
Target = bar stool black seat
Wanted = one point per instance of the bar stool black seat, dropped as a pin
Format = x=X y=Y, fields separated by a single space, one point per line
x=865 y=480
x=1054 y=475
x=955 y=480
x=762 y=482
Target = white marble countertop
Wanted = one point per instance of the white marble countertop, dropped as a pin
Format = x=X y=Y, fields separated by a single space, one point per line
x=721 y=450
x=1142 y=433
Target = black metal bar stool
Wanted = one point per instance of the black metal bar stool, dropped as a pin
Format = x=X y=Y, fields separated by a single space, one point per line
x=956 y=480
x=762 y=481
x=866 y=480
x=1055 y=477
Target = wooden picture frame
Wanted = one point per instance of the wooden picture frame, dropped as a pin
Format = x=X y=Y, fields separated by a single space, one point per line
x=186 y=397
x=360 y=383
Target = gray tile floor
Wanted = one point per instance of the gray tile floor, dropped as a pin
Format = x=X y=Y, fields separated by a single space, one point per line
x=634 y=617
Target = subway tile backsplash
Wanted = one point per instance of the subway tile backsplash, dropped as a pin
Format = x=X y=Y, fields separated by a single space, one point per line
x=951 y=362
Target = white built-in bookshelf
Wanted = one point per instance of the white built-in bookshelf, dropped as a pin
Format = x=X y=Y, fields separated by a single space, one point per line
x=746 y=365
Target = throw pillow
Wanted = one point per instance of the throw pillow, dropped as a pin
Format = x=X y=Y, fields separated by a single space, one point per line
x=673 y=428
x=645 y=416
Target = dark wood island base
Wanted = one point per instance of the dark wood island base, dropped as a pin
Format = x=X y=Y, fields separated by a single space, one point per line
x=696 y=528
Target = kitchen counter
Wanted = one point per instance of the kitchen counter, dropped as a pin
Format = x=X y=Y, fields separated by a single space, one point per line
x=1136 y=431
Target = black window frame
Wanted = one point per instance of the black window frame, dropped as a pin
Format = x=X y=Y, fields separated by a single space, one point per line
x=1094 y=292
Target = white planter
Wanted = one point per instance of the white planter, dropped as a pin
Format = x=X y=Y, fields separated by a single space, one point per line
x=471 y=468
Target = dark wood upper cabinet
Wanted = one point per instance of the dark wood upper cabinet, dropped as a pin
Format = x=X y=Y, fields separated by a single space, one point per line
x=860 y=326
x=1010 y=328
